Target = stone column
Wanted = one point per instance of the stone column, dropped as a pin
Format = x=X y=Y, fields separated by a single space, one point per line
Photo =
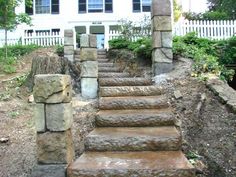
x=53 y=121
x=162 y=56
x=89 y=66
x=69 y=44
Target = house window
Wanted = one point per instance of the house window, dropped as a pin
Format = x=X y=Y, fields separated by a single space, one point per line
x=141 y=5
x=108 y=6
x=82 y=6
x=42 y=6
x=146 y=5
x=95 y=6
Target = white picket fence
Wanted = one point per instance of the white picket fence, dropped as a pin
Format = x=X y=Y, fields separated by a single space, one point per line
x=114 y=34
x=207 y=28
x=43 y=38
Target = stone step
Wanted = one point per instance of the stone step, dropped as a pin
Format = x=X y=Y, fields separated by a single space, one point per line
x=106 y=64
x=125 y=81
x=133 y=102
x=108 y=69
x=131 y=164
x=131 y=91
x=102 y=57
x=135 y=118
x=133 y=139
x=103 y=60
x=112 y=74
x=77 y=52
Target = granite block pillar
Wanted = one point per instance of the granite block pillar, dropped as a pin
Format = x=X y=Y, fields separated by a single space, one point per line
x=162 y=56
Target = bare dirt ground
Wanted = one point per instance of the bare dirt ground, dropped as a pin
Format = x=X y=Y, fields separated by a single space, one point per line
x=208 y=126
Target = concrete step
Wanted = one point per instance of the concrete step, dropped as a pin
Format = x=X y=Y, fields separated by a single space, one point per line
x=106 y=64
x=131 y=91
x=133 y=139
x=108 y=69
x=113 y=75
x=135 y=118
x=124 y=81
x=131 y=164
x=133 y=102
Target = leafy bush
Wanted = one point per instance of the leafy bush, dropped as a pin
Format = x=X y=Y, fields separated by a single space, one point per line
x=210 y=15
x=210 y=56
x=7 y=65
x=60 y=50
x=119 y=43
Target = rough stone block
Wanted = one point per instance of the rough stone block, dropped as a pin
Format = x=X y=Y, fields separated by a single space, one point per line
x=68 y=50
x=162 y=55
x=59 y=117
x=162 y=23
x=161 y=7
x=92 y=41
x=84 y=40
x=166 y=38
x=68 y=41
x=89 y=69
x=88 y=54
x=156 y=39
x=68 y=33
x=52 y=88
x=55 y=147
x=39 y=117
x=89 y=87
x=69 y=57
x=49 y=171
x=160 y=68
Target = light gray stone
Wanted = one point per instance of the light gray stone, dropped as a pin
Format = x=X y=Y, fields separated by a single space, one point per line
x=92 y=41
x=158 y=55
x=69 y=50
x=166 y=38
x=162 y=23
x=59 y=117
x=84 y=40
x=156 y=39
x=161 y=7
x=68 y=33
x=55 y=147
x=160 y=68
x=89 y=87
x=52 y=88
x=49 y=171
x=69 y=57
x=68 y=41
x=39 y=117
x=232 y=105
x=178 y=94
x=89 y=69
x=88 y=54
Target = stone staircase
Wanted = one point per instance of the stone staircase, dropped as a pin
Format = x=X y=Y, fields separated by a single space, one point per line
x=135 y=134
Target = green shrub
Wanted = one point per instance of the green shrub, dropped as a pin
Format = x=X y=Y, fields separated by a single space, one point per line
x=60 y=50
x=119 y=43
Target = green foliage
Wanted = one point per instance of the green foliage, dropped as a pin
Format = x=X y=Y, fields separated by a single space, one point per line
x=60 y=50
x=209 y=15
x=119 y=43
x=210 y=56
x=78 y=39
x=142 y=48
x=177 y=10
x=7 y=65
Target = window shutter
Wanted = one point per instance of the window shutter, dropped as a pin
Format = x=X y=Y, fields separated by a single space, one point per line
x=136 y=6
x=55 y=7
x=108 y=6
x=29 y=10
x=82 y=6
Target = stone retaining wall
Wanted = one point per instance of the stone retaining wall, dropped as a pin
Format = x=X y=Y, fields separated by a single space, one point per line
x=226 y=94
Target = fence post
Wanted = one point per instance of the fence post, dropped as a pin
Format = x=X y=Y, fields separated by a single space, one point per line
x=162 y=55
x=53 y=120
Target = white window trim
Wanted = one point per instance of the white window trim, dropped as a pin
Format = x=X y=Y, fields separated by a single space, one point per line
x=50 y=8
x=103 y=7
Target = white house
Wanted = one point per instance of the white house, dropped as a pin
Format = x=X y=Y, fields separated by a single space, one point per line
x=84 y=16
